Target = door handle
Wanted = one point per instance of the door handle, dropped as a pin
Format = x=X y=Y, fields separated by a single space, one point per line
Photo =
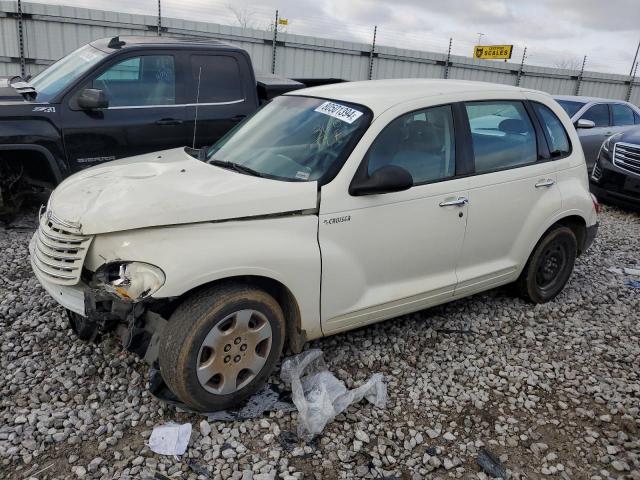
x=237 y=118
x=458 y=202
x=169 y=121
x=547 y=182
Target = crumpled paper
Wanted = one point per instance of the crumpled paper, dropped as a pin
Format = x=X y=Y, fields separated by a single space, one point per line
x=170 y=439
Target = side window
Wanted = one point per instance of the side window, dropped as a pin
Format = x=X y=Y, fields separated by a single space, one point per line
x=622 y=115
x=598 y=114
x=502 y=135
x=421 y=142
x=139 y=81
x=636 y=118
x=218 y=78
x=125 y=70
x=554 y=131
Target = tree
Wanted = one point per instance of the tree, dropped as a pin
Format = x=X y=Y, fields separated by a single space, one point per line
x=244 y=16
x=568 y=63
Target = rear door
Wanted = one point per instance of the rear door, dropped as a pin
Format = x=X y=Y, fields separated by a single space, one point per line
x=221 y=93
x=145 y=113
x=512 y=192
x=592 y=138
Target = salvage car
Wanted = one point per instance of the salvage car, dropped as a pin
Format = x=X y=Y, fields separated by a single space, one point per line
x=331 y=208
x=616 y=175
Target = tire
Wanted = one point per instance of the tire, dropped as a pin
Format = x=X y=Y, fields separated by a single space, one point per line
x=549 y=266
x=232 y=334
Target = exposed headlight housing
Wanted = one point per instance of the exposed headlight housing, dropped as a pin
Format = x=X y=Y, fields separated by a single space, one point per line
x=130 y=281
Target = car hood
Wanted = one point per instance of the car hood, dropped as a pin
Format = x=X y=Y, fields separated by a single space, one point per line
x=169 y=188
x=631 y=136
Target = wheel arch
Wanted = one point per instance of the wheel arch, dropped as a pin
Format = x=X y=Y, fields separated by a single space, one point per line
x=578 y=226
x=43 y=151
x=295 y=336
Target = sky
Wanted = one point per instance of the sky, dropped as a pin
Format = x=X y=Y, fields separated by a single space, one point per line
x=556 y=32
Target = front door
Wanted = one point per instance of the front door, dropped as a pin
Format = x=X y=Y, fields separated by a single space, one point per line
x=145 y=113
x=592 y=138
x=511 y=195
x=393 y=253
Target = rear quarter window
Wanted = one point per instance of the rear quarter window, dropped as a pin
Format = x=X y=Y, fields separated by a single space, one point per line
x=554 y=131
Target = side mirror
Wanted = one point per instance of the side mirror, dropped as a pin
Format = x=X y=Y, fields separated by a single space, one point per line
x=584 y=123
x=387 y=179
x=92 y=99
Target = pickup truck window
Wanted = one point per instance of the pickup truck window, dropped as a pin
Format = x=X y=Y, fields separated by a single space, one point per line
x=147 y=80
x=422 y=142
x=58 y=76
x=218 y=80
x=294 y=138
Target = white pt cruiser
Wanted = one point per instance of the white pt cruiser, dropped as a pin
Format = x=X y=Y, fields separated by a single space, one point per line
x=331 y=208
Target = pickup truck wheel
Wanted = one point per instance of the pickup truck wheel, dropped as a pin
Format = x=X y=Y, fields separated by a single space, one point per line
x=220 y=346
x=549 y=266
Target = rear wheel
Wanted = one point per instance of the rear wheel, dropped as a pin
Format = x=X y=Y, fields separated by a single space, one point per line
x=549 y=267
x=220 y=346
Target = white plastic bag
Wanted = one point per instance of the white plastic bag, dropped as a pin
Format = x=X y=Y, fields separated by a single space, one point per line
x=170 y=439
x=319 y=396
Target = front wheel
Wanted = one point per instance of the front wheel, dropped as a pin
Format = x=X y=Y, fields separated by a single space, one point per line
x=220 y=346
x=549 y=266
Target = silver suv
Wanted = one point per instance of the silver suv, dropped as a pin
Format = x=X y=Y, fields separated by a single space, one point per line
x=596 y=119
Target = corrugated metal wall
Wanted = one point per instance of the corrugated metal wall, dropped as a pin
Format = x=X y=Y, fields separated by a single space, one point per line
x=52 y=31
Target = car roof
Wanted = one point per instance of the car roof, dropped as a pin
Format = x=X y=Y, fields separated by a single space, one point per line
x=585 y=99
x=379 y=95
x=131 y=41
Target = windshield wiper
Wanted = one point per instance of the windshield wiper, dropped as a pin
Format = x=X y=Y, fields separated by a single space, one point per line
x=235 y=166
x=202 y=153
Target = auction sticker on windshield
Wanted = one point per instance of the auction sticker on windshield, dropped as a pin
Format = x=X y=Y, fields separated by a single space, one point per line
x=346 y=114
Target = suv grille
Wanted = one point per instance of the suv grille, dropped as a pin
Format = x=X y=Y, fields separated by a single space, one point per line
x=59 y=250
x=627 y=157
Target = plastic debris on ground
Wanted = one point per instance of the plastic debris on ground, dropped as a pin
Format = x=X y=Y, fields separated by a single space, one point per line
x=625 y=271
x=170 y=439
x=319 y=396
x=633 y=283
x=490 y=464
x=270 y=398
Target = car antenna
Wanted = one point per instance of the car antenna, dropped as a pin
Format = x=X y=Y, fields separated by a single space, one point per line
x=195 y=121
x=115 y=42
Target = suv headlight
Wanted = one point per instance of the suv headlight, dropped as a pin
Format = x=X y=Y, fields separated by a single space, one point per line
x=130 y=281
x=607 y=146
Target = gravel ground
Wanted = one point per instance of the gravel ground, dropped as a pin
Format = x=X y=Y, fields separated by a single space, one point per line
x=553 y=390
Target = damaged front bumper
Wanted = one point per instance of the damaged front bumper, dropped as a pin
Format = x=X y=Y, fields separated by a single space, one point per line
x=94 y=311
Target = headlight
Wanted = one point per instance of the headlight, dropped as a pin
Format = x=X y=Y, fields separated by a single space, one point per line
x=607 y=146
x=131 y=281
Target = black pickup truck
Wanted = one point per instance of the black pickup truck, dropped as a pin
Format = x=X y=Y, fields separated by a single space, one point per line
x=119 y=97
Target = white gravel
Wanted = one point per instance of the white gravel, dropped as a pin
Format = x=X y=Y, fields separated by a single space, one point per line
x=553 y=390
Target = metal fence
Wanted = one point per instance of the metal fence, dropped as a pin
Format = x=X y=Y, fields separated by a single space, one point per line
x=34 y=35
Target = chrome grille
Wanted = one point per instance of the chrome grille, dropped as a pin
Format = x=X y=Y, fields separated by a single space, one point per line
x=596 y=173
x=59 y=250
x=627 y=157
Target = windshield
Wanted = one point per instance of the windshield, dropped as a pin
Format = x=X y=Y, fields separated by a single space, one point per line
x=55 y=78
x=570 y=106
x=294 y=138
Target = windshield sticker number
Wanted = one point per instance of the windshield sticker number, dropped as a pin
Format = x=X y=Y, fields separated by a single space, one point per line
x=346 y=114
x=44 y=109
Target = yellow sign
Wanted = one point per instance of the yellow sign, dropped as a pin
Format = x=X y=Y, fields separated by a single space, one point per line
x=283 y=21
x=492 y=51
